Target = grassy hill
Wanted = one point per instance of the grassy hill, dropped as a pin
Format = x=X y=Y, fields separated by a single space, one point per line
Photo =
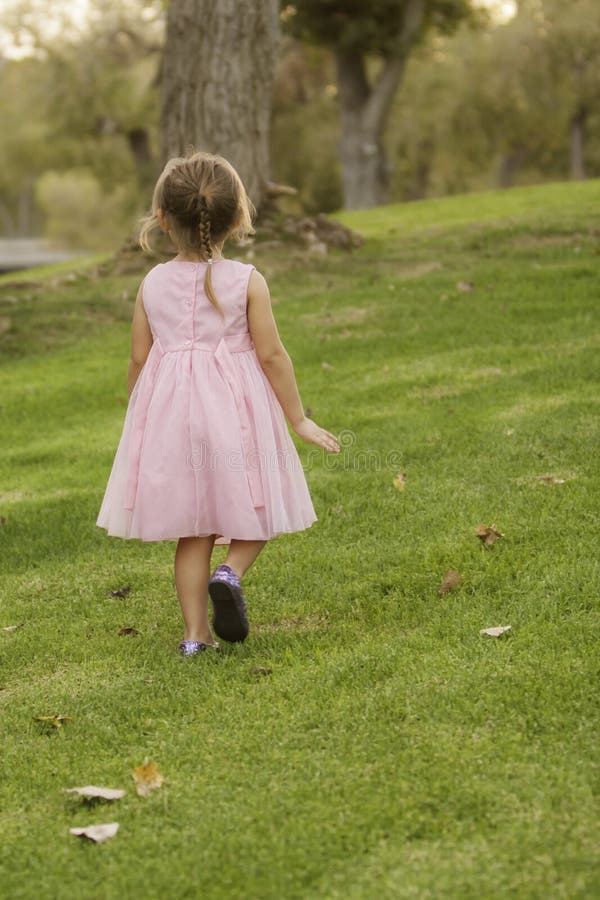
x=390 y=750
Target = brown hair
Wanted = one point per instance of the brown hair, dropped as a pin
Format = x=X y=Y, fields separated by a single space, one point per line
x=207 y=203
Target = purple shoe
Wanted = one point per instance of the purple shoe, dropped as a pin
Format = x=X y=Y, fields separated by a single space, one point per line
x=193 y=648
x=230 y=616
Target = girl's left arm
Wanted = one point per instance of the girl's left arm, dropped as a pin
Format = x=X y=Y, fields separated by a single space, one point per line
x=141 y=341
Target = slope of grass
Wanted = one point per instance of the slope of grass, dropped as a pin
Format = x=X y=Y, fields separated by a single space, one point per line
x=392 y=751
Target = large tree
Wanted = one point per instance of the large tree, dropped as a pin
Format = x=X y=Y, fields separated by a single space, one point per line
x=360 y=34
x=218 y=68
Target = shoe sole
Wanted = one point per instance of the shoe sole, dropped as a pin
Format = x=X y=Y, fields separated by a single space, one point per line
x=230 y=619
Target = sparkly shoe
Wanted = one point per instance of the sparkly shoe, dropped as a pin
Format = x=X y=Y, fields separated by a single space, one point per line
x=193 y=648
x=230 y=616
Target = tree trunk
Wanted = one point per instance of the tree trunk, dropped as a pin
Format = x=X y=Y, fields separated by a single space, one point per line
x=420 y=185
x=217 y=74
x=364 y=111
x=364 y=170
x=577 y=137
x=508 y=167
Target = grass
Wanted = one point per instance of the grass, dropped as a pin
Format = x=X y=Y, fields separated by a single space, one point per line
x=392 y=751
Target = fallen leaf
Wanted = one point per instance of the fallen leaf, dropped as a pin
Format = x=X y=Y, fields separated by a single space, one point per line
x=498 y=631
x=260 y=670
x=13 y=627
x=53 y=721
x=3 y=520
x=326 y=365
x=400 y=481
x=488 y=534
x=126 y=629
x=97 y=833
x=147 y=778
x=90 y=791
x=452 y=579
x=550 y=479
x=121 y=592
x=465 y=286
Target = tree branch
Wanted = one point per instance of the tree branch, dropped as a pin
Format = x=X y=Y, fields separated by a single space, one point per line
x=352 y=78
x=383 y=91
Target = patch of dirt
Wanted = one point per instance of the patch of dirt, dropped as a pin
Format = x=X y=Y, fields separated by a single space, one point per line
x=295 y=623
x=11 y=497
x=419 y=269
x=20 y=285
x=532 y=241
x=316 y=235
x=434 y=392
x=490 y=372
x=347 y=315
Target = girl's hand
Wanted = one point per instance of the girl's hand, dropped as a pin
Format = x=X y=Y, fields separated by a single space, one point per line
x=314 y=434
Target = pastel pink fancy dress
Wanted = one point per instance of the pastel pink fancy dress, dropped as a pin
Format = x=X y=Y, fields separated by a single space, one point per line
x=205 y=448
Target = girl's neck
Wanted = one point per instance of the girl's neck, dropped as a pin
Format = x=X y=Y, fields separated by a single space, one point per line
x=190 y=256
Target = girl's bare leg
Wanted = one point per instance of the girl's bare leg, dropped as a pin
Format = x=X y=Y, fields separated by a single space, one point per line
x=241 y=555
x=192 y=571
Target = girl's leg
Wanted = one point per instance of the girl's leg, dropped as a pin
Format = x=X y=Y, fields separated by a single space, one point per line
x=242 y=554
x=192 y=571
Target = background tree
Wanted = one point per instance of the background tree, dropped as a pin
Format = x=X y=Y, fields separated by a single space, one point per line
x=217 y=75
x=568 y=38
x=79 y=119
x=387 y=30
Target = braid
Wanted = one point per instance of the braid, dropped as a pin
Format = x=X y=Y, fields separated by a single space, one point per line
x=205 y=242
x=205 y=228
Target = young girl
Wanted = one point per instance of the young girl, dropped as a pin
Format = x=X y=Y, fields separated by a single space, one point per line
x=205 y=452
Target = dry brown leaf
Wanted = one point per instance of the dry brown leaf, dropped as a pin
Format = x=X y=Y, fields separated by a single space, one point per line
x=488 y=534
x=452 y=579
x=550 y=479
x=90 y=791
x=400 y=481
x=497 y=631
x=127 y=629
x=121 y=592
x=3 y=520
x=465 y=286
x=260 y=670
x=97 y=833
x=147 y=778
x=10 y=628
x=53 y=721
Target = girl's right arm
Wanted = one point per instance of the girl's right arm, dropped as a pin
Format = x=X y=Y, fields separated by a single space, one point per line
x=277 y=365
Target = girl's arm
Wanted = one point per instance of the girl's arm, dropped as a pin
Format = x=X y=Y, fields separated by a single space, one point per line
x=277 y=365
x=141 y=341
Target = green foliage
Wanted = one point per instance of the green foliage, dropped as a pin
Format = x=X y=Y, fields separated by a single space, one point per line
x=392 y=752
x=305 y=129
x=494 y=107
x=78 y=213
x=367 y=28
x=86 y=100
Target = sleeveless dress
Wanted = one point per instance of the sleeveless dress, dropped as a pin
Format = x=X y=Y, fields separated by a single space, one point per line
x=204 y=448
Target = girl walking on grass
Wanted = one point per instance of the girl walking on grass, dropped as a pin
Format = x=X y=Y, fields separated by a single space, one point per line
x=205 y=452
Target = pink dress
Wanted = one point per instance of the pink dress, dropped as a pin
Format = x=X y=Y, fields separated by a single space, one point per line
x=205 y=448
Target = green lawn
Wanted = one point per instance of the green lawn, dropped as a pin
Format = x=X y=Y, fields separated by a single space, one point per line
x=392 y=751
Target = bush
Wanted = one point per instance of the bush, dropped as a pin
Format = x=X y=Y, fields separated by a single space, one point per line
x=79 y=213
